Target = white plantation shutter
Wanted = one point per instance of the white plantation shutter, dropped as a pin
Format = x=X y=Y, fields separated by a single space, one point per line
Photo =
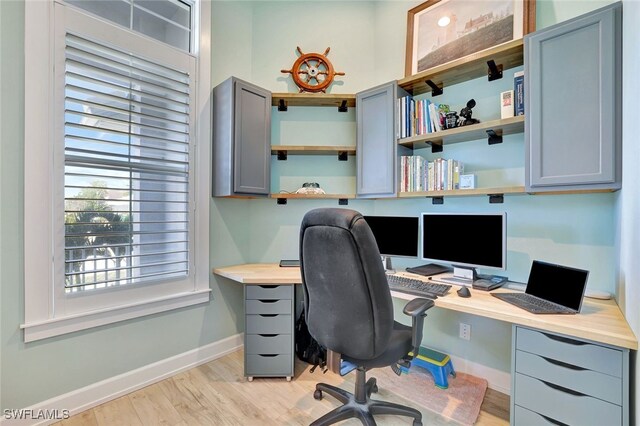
x=127 y=173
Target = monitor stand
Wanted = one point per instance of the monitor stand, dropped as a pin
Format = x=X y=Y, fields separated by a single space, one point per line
x=386 y=264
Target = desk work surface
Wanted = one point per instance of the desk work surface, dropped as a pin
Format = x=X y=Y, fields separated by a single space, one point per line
x=599 y=320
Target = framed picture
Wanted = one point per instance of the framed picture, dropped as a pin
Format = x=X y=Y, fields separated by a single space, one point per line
x=440 y=31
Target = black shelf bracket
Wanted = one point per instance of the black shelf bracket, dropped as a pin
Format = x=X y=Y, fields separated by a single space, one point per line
x=282 y=155
x=343 y=107
x=282 y=105
x=493 y=137
x=496 y=198
x=343 y=155
x=435 y=90
x=435 y=147
x=282 y=201
x=437 y=200
x=343 y=202
x=495 y=71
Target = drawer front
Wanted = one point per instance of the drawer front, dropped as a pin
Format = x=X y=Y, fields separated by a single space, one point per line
x=269 y=365
x=268 y=344
x=269 y=324
x=268 y=306
x=575 y=352
x=268 y=292
x=524 y=417
x=564 y=405
x=588 y=382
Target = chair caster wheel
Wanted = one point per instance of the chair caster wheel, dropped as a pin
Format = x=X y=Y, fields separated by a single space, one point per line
x=417 y=423
x=317 y=394
x=374 y=389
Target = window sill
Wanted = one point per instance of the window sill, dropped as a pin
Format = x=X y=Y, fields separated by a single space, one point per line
x=57 y=326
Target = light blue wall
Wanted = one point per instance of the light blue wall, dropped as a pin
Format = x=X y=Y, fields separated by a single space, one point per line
x=254 y=41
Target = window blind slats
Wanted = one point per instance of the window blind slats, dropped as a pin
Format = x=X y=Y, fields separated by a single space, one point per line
x=127 y=168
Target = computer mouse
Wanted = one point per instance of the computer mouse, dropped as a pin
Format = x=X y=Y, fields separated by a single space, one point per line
x=464 y=292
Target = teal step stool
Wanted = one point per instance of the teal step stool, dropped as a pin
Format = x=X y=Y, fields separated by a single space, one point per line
x=438 y=364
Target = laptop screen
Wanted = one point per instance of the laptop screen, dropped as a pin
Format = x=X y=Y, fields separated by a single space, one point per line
x=559 y=284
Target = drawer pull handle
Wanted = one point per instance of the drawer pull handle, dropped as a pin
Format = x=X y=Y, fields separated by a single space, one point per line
x=552 y=421
x=563 y=364
x=267 y=301
x=268 y=315
x=269 y=286
x=267 y=335
x=565 y=340
x=563 y=389
x=268 y=355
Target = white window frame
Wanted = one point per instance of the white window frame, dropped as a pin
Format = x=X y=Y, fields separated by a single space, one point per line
x=49 y=310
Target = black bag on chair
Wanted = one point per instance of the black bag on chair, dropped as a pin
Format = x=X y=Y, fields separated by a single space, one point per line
x=307 y=348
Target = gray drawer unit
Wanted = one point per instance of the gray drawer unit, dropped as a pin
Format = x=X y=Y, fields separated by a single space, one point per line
x=272 y=292
x=269 y=320
x=575 y=352
x=588 y=382
x=268 y=344
x=563 y=404
x=267 y=365
x=563 y=380
x=257 y=306
x=268 y=324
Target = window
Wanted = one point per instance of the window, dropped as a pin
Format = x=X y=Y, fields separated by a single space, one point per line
x=112 y=156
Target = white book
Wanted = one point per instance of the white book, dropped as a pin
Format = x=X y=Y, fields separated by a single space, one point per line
x=506 y=104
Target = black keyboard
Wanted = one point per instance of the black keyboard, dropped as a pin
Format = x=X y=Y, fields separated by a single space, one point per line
x=417 y=287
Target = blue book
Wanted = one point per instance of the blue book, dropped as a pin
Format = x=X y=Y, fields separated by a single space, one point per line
x=518 y=92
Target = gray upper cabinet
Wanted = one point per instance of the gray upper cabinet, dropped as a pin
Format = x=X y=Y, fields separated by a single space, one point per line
x=241 y=139
x=573 y=103
x=377 y=161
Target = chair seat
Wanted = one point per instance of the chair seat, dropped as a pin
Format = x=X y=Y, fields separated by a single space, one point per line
x=399 y=346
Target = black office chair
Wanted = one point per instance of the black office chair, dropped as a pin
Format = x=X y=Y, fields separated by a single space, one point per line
x=348 y=310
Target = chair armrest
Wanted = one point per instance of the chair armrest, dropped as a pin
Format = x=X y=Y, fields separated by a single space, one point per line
x=417 y=309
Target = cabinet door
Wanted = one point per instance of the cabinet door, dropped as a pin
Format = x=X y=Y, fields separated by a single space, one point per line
x=375 y=142
x=252 y=139
x=572 y=91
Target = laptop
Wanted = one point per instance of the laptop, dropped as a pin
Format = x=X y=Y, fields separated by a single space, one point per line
x=551 y=289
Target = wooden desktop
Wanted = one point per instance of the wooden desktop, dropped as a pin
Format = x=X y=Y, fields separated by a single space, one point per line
x=599 y=320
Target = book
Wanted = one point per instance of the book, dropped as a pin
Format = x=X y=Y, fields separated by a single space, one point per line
x=506 y=104
x=518 y=90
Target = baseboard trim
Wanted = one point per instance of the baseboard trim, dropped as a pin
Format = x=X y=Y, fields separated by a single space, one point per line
x=497 y=379
x=106 y=390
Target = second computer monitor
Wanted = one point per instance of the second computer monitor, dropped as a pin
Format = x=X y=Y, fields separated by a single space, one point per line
x=395 y=235
x=465 y=239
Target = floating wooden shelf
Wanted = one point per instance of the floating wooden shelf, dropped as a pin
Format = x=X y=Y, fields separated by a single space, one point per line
x=313 y=150
x=509 y=55
x=315 y=196
x=465 y=192
x=505 y=126
x=314 y=99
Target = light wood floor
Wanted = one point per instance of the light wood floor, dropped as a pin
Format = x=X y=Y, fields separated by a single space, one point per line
x=216 y=393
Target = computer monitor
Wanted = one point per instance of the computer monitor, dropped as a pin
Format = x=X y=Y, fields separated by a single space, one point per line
x=395 y=235
x=465 y=240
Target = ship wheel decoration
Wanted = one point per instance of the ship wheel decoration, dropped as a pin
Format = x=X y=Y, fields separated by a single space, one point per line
x=312 y=72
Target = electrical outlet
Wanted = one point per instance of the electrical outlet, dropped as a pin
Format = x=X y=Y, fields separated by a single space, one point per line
x=465 y=331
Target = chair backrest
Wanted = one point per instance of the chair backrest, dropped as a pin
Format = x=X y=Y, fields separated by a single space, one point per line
x=346 y=295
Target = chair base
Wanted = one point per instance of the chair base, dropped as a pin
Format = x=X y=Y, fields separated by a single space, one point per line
x=360 y=404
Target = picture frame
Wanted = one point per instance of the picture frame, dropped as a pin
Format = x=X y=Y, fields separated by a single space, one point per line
x=441 y=31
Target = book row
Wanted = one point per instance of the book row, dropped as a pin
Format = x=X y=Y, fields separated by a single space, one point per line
x=418 y=174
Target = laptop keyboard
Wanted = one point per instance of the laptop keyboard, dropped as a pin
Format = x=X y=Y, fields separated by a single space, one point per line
x=535 y=304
